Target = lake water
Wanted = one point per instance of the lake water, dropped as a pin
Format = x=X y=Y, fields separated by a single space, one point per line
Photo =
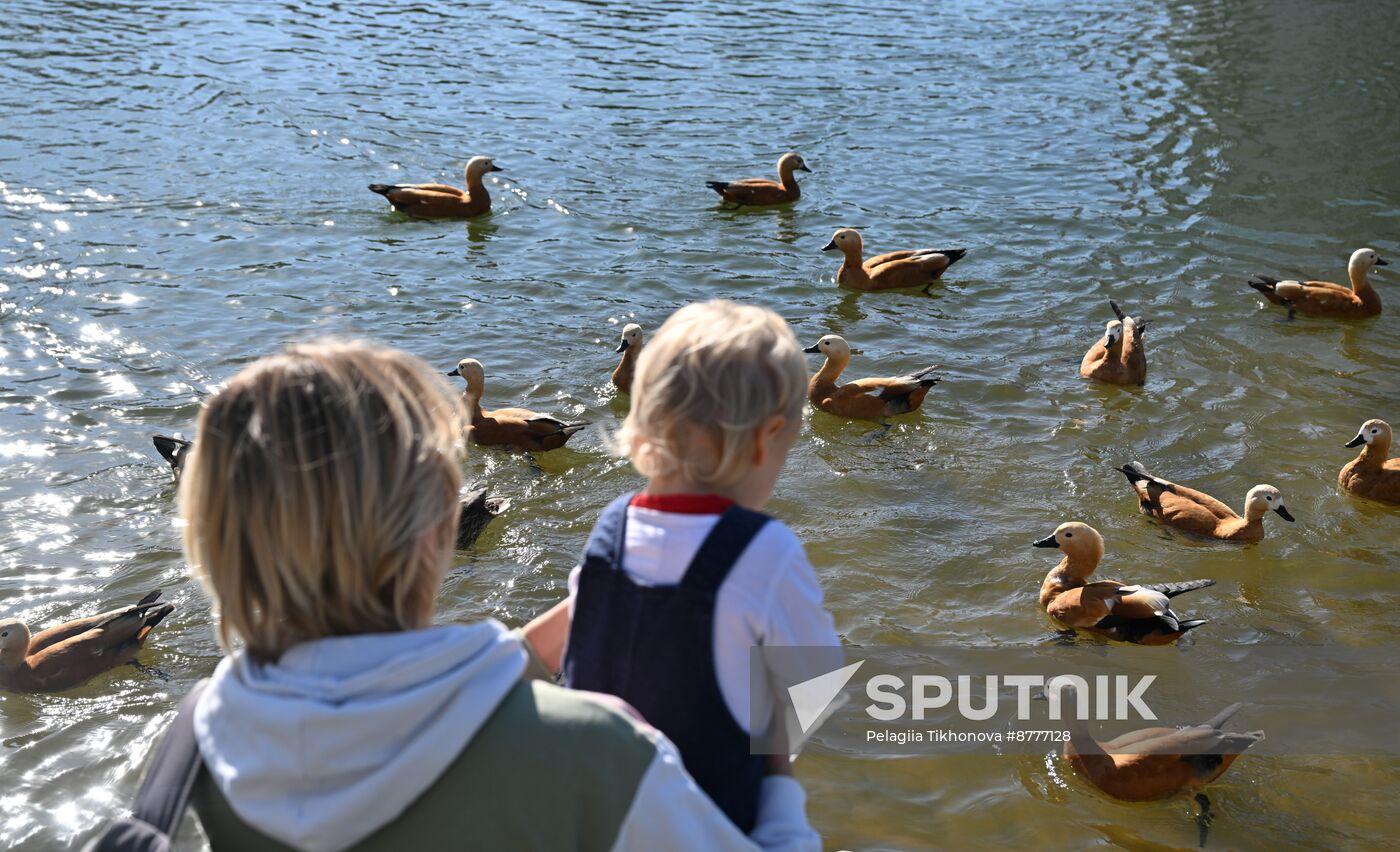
x=184 y=190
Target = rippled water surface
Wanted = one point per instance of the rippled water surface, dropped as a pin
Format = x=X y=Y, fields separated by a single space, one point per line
x=182 y=189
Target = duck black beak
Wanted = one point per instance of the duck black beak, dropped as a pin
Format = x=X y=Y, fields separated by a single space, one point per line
x=1382 y=262
x=622 y=347
x=803 y=168
x=814 y=349
x=454 y=372
x=1357 y=441
x=1283 y=513
x=1048 y=541
x=829 y=246
x=495 y=168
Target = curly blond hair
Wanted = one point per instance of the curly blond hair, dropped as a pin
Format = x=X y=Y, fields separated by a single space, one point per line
x=714 y=372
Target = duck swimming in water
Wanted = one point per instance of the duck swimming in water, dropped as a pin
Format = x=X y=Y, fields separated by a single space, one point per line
x=631 y=349
x=69 y=654
x=1371 y=474
x=1325 y=299
x=440 y=200
x=1154 y=763
x=863 y=399
x=517 y=429
x=1120 y=358
x=1140 y=613
x=760 y=191
x=890 y=271
x=1198 y=512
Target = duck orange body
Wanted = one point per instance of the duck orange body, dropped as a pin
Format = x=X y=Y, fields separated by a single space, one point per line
x=1154 y=763
x=1141 y=614
x=894 y=270
x=440 y=200
x=517 y=429
x=1371 y=474
x=1198 y=512
x=631 y=349
x=863 y=399
x=1325 y=299
x=67 y=655
x=1120 y=358
x=760 y=191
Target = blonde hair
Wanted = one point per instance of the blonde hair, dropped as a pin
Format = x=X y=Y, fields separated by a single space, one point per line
x=714 y=372
x=320 y=498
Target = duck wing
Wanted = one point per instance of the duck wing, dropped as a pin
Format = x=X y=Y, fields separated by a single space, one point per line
x=1195 y=740
x=430 y=198
x=751 y=191
x=115 y=641
x=1084 y=606
x=896 y=386
x=68 y=629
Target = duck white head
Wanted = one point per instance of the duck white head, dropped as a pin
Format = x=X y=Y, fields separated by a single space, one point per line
x=478 y=166
x=1112 y=333
x=833 y=346
x=1372 y=432
x=14 y=642
x=790 y=162
x=846 y=239
x=471 y=370
x=1081 y=544
x=1263 y=498
x=631 y=338
x=1363 y=260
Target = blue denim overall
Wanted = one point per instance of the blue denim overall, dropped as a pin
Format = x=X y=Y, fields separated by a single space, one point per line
x=653 y=646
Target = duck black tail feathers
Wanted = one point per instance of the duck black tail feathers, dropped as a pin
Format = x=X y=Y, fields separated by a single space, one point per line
x=953 y=255
x=717 y=185
x=383 y=188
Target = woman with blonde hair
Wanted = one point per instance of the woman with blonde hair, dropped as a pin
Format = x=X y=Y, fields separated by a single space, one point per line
x=320 y=505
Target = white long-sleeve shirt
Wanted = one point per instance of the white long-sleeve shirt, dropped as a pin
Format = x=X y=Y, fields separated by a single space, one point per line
x=771 y=597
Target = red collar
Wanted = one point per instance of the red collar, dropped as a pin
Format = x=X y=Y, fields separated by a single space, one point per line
x=683 y=504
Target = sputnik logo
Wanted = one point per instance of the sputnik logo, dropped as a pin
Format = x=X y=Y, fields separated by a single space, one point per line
x=812 y=699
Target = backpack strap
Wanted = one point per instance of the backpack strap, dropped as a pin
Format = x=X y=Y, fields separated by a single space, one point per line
x=165 y=791
x=608 y=540
x=721 y=549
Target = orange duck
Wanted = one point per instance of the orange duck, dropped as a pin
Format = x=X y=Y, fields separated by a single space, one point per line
x=894 y=270
x=631 y=349
x=1325 y=299
x=1198 y=512
x=69 y=654
x=1141 y=614
x=1155 y=763
x=760 y=191
x=440 y=200
x=863 y=399
x=1371 y=474
x=1120 y=358
x=517 y=429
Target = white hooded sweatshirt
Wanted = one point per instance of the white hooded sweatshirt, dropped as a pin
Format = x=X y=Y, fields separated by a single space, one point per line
x=334 y=740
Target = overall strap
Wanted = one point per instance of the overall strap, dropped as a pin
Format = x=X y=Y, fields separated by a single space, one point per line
x=165 y=791
x=607 y=541
x=730 y=537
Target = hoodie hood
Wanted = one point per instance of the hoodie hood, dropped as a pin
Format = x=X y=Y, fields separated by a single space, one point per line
x=334 y=740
